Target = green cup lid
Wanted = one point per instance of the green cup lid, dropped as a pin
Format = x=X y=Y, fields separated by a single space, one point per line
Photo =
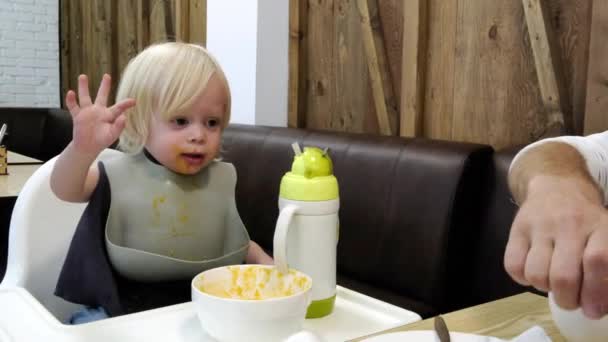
x=311 y=177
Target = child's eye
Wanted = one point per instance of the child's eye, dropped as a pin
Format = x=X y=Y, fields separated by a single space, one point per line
x=213 y=122
x=180 y=121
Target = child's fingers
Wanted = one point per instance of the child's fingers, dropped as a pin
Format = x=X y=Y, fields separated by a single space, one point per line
x=118 y=125
x=119 y=107
x=104 y=89
x=83 y=91
x=70 y=102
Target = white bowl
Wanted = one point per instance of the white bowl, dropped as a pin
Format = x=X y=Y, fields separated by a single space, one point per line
x=269 y=318
x=576 y=327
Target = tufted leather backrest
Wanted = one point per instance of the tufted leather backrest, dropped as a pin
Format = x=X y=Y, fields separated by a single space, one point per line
x=408 y=207
x=490 y=280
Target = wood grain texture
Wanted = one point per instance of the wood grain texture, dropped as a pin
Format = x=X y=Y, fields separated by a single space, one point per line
x=128 y=37
x=480 y=82
x=99 y=36
x=391 y=19
x=354 y=108
x=64 y=48
x=182 y=20
x=102 y=46
x=161 y=18
x=320 y=102
x=504 y=318
x=75 y=58
x=143 y=24
x=89 y=11
x=440 y=69
x=197 y=22
x=496 y=97
x=571 y=23
x=297 y=64
x=548 y=65
x=3 y=161
x=596 y=115
x=415 y=16
x=377 y=63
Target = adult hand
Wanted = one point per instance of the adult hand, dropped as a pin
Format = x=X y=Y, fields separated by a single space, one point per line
x=96 y=126
x=559 y=243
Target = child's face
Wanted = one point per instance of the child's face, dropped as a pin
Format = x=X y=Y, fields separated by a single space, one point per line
x=189 y=141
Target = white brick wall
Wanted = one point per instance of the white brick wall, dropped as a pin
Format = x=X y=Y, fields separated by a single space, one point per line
x=29 y=53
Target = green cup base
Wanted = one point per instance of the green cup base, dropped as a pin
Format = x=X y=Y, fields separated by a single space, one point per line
x=321 y=308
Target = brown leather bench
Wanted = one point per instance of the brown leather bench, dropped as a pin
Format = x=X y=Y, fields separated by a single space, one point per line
x=423 y=222
x=410 y=216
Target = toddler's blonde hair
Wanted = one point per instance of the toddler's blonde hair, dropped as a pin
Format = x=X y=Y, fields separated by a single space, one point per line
x=165 y=79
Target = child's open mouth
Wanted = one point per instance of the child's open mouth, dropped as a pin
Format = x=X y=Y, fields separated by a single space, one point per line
x=194 y=159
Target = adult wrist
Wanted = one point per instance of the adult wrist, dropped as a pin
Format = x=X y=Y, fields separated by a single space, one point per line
x=566 y=185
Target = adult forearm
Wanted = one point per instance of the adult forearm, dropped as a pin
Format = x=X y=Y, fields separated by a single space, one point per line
x=550 y=165
x=69 y=175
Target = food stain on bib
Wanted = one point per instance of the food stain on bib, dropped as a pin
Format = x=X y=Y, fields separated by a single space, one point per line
x=182 y=213
x=156 y=204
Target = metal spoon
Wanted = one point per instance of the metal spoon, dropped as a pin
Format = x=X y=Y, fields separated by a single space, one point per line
x=2 y=133
x=441 y=329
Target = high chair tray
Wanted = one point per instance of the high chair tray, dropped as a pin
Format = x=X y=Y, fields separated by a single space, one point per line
x=23 y=318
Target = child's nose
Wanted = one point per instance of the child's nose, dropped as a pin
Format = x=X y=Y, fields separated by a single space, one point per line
x=198 y=134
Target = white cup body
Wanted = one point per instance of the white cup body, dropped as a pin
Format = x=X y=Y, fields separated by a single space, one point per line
x=311 y=243
x=576 y=327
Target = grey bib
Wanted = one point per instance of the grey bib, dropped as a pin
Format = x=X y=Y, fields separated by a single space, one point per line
x=166 y=226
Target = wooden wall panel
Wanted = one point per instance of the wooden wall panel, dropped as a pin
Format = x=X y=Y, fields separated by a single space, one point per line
x=549 y=71
x=100 y=36
x=128 y=34
x=161 y=21
x=383 y=98
x=391 y=25
x=335 y=58
x=350 y=71
x=439 y=84
x=391 y=22
x=197 y=22
x=571 y=21
x=100 y=44
x=143 y=23
x=321 y=80
x=297 y=94
x=496 y=97
x=413 y=73
x=596 y=117
x=480 y=81
x=182 y=20
x=520 y=118
x=71 y=45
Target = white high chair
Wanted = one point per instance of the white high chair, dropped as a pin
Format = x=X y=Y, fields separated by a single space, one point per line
x=40 y=233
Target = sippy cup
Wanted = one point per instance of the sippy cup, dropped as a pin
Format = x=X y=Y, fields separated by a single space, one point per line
x=306 y=233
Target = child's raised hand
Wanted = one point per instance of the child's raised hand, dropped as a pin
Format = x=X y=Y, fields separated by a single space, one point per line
x=96 y=126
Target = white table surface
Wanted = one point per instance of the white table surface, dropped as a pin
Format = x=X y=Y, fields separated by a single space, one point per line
x=16 y=158
x=18 y=174
x=23 y=318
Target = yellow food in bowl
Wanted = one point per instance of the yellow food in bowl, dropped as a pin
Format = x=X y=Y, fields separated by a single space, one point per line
x=255 y=283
